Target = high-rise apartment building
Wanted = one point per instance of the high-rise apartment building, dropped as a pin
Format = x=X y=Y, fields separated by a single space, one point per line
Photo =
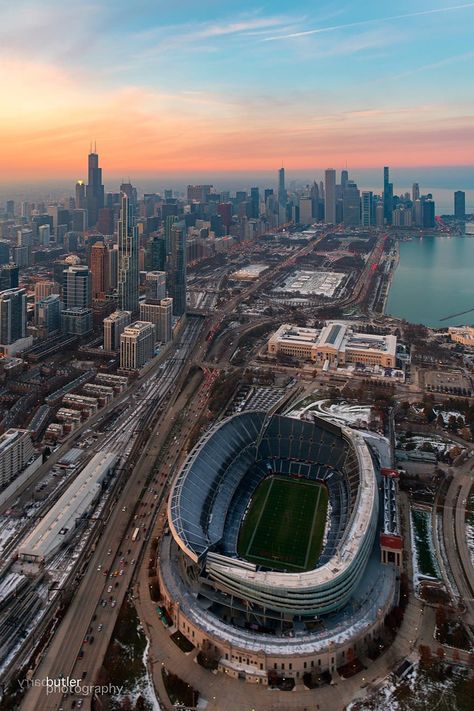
x=164 y=329
x=44 y=235
x=155 y=286
x=94 y=189
x=100 y=271
x=77 y=287
x=160 y=314
x=113 y=329
x=330 y=196
x=48 y=314
x=459 y=204
x=76 y=321
x=155 y=254
x=127 y=258
x=16 y=449
x=176 y=274
x=9 y=274
x=367 y=208
x=137 y=345
x=12 y=315
x=4 y=251
x=44 y=289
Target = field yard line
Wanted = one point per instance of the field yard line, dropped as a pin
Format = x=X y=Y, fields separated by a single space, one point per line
x=259 y=518
x=312 y=527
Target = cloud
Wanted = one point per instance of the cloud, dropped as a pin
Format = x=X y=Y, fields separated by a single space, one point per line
x=361 y=23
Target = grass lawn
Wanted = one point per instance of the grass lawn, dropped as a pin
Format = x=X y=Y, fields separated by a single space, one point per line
x=284 y=525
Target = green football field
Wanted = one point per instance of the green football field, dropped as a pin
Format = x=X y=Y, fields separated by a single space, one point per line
x=284 y=525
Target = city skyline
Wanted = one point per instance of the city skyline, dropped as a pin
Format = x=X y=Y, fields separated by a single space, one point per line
x=210 y=89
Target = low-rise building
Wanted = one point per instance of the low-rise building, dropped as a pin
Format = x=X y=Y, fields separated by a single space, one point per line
x=462 y=334
x=337 y=345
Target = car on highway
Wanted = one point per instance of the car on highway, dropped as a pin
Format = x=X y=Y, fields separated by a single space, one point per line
x=100 y=627
x=99 y=568
x=109 y=589
x=113 y=603
x=109 y=552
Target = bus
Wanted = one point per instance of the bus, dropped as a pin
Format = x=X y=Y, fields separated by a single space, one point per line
x=135 y=534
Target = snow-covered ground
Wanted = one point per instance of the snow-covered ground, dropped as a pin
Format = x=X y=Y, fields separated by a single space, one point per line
x=143 y=686
x=341 y=412
x=416 y=692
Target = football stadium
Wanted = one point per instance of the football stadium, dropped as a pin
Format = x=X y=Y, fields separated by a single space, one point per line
x=283 y=551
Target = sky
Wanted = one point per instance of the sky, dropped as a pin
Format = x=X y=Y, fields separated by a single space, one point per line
x=202 y=86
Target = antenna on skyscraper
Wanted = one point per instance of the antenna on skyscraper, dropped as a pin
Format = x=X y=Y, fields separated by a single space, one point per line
x=95 y=147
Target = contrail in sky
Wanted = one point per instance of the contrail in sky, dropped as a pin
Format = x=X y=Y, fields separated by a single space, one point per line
x=361 y=23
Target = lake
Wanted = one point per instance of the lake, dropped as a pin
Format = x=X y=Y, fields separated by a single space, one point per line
x=435 y=278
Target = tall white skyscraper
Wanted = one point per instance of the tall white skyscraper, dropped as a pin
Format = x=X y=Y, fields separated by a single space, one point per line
x=128 y=272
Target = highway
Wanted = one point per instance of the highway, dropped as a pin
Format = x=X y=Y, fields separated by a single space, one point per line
x=455 y=544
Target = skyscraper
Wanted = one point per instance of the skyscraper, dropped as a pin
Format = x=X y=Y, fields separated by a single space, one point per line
x=12 y=315
x=127 y=258
x=9 y=274
x=48 y=314
x=459 y=204
x=351 y=204
x=176 y=273
x=94 y=189
x=113 y=329
x=282 y=196
x=155 y=286
x=387 y=196
x=155 y=254
x=255 y=201
x=306 y=210
x=367 y=209
x=100 y=270
x=80 y=201
x=415 y=192
x=4 y=251
x=169 y=222
x=330 y=196
x=137 y=345
x=77 y=287
x=43 y=289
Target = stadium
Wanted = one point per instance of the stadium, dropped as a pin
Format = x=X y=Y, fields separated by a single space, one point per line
x=273 y=560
